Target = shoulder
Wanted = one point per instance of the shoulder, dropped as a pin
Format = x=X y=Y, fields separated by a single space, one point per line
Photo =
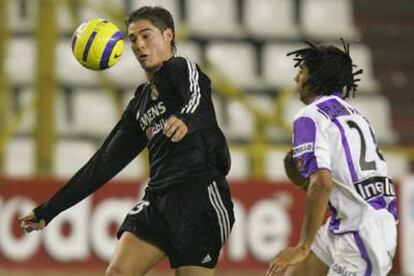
x=139 y=89
x=137 y=94
x=312 y=112
x=308 y=111
x=178 y=61
x=182 y=70
x=181 y=63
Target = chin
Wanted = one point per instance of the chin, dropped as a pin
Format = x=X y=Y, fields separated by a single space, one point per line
x=147 y=67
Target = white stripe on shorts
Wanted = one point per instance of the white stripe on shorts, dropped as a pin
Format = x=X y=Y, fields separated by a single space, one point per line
x=219 y=217
x=227 y=219
x=222 y=214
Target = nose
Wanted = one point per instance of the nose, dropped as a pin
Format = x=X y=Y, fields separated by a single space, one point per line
x=139 y=44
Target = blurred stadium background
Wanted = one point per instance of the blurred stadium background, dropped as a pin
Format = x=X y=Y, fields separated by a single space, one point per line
x=54 y=114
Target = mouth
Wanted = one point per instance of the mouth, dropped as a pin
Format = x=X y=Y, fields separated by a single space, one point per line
x=142 y=57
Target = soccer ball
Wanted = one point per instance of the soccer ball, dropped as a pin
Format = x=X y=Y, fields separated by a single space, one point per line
x=98 y=44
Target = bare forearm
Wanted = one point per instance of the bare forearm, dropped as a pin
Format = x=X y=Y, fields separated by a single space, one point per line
x=320 y=185
x=317 y=200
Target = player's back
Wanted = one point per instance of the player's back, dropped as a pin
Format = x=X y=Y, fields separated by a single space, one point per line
x=344 y=143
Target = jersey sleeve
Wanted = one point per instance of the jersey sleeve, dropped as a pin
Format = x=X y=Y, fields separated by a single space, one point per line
x=194 y=87
x=310 y=145
x=123 y=144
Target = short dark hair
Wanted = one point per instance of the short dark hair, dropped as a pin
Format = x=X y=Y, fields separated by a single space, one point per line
x=158 y=16
x=330 y=69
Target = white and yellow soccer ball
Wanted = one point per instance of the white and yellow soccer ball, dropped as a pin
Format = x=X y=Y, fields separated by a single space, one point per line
x=98 y=44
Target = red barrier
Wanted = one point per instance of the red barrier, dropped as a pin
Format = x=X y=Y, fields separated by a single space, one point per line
x=268 y=219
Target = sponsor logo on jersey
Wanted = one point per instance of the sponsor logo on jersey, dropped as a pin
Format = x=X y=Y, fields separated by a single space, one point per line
x=375 y=186
x=302 y=149
x=156 y=128
x=151 y=114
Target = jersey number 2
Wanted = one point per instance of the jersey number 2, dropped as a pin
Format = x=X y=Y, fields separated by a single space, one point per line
x=363 y=163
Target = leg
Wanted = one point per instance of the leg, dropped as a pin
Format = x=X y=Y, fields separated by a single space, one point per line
x=199 y=228
x=311 y=266
x=133 y=256
x=194 y=271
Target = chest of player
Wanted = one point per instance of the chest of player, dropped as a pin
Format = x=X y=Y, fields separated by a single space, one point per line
x=155 y=103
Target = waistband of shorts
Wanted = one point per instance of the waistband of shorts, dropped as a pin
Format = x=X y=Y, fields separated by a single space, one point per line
x=204 y=177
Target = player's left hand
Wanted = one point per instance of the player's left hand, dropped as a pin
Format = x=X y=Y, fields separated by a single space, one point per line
x=286 y=257
x=175 y=129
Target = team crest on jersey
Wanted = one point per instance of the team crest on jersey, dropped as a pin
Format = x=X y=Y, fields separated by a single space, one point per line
x=154 y=92
x=299 y=163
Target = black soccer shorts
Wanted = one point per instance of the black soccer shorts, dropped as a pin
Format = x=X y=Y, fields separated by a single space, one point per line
x=190 y=222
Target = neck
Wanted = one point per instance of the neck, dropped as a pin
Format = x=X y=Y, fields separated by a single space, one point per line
x=309 y=96
x=150 y=74
x=314 y=98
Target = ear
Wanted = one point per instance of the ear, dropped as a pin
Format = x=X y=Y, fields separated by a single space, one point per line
x=168 y=35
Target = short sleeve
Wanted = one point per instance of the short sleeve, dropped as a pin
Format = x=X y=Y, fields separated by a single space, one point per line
x=310 y=146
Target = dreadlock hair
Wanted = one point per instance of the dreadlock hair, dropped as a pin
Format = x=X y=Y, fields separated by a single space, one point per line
x=158 y=16
x=330 y=69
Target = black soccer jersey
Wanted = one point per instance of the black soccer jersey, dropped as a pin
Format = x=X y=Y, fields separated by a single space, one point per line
x=179 y=88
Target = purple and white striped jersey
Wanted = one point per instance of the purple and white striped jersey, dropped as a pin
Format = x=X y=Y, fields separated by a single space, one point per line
x=331 y=134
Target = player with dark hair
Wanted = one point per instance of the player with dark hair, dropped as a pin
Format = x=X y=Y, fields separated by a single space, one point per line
x=335 y=158
x=186 y=213
x=159 y=17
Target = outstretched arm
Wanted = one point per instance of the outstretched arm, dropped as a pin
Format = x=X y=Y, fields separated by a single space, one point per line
x=123 y=144
x=320 y=186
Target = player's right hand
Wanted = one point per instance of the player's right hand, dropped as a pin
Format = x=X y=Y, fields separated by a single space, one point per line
x=175 y=129
x=30 y=222
x=286 y=257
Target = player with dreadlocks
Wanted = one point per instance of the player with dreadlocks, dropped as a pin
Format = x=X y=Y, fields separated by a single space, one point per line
x=335 y=158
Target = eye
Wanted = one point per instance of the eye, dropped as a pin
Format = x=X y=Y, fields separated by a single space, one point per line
x=132 y=38
x=146 y=34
